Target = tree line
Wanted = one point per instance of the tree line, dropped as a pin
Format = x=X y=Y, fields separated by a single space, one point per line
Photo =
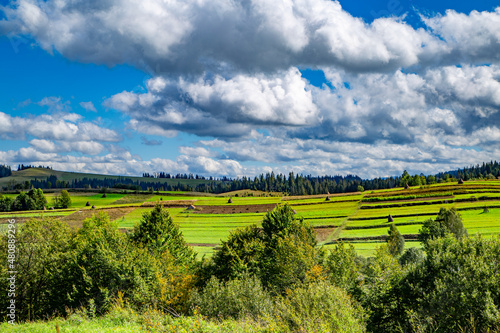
x=292 y=184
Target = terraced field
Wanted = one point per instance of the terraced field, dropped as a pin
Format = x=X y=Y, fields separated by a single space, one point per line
x=357 y=218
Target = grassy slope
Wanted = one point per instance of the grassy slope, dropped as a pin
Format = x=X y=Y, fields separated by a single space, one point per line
x=343 y=213
x=19 y=177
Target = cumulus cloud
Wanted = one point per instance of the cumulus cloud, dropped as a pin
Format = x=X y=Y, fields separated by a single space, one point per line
x=258 y=35
x=60 y=127
x=219 y=107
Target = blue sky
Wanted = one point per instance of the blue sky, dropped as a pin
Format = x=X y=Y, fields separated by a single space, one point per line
x=245 y=87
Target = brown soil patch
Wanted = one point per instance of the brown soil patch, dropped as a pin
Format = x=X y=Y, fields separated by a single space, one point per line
x=170 y=203
x=323 y=233
x=18 y=219
x=234 y=209
x=318 y=196
x=76 y=219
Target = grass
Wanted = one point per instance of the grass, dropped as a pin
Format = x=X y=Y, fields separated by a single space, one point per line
x=135 y=323
x=405 y=229
x=216 y=223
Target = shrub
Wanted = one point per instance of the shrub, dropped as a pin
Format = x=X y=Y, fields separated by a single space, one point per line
x=448 y=221
x=342 y=268
x=318 y=307
x=395 y=241
x=238 y=299
x=413 y=255
x=42 y=248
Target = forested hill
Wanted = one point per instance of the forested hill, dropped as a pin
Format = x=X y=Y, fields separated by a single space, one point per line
x=46 y=178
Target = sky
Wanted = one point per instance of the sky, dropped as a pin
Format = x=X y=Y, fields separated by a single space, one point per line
x=243 y=87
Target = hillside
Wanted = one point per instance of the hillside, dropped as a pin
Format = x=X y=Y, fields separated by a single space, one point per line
x=32 y=174
x=359 y=218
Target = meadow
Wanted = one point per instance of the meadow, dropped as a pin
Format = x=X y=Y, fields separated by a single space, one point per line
x=359 y=218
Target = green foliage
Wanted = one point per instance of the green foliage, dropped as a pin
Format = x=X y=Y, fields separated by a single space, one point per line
x=238 y=299
x=382 y=273
x=360 y=188
x=318 y=307
x=23 y=202
x=395 y=241
x=342 y=267
x=5 y=204
x=413 y=255
x=157 y=232
x=457 y=281
x=447 y=221
x=240 y=254
x=62 y=201
x=38 y=197
x=41 y=255
x=280 y=254
x=104 y=263
x=286 y=262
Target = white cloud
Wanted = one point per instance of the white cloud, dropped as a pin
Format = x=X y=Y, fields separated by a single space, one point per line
x=85 y=147
x=89 y=106
x=59 y=127
x=219 y=35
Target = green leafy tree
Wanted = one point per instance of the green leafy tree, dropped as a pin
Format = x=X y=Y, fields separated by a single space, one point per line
x=42 y=247
x=395 y=241
x=104 y=263
x=377 y=293
x=280 y=254
x=447 y=221
x=63 y=200
x=405 y=179
x=413 y=255
x=157 y=232
x=23 y=202
x=455 y=288
x=6 y=204
x=240 y=254
x=39 y=198
x=342 y=267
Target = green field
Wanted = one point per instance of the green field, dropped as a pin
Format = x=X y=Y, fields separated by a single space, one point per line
x=345 y=216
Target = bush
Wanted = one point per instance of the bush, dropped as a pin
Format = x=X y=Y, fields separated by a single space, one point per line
x=395 y=241
x=457 y=281
x=42 y=248
x=238 y=299
x=448 y=221
x=413 y=255
x=342 y=268
x=318 y=307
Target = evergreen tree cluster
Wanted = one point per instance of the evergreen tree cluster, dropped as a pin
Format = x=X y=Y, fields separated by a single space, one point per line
x=5 y=171
x=25 y=167
x=485 y=170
